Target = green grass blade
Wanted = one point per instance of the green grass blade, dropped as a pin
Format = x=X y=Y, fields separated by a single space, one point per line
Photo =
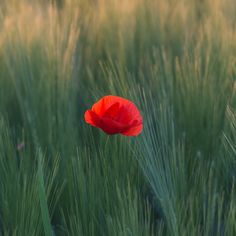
x=43 y=200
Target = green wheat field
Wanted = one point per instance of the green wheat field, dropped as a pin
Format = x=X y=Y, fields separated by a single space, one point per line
x=176 y=60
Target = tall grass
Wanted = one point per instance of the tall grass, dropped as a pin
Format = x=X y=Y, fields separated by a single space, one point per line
x=175 y=60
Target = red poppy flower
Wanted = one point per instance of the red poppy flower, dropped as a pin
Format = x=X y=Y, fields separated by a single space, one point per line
x=115 y=115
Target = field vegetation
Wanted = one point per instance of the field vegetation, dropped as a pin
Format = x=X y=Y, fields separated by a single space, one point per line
x=176 y=60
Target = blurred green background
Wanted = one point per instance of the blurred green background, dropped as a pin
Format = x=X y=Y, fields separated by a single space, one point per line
x=175 y=59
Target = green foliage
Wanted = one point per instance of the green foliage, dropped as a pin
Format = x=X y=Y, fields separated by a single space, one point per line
x=175 y=60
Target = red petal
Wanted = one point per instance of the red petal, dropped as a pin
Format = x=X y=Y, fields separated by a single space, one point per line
x=115 y=114
x=109 y=126
x=104 y=103
x=92 y=118
x=121 y=110
x=129 y=113
x=113 y=111
x=112 y=127
x=134 y=131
